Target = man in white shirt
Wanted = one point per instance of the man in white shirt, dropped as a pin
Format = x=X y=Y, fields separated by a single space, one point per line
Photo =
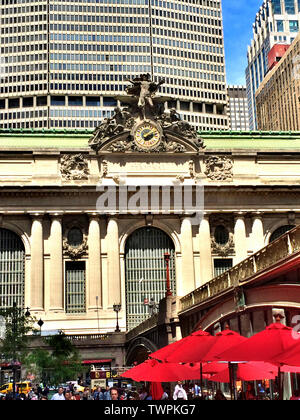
x=59 y=396
x=179 y=392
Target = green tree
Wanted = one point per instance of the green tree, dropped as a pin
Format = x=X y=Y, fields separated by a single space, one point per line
x=56 y=365
x=14 y=345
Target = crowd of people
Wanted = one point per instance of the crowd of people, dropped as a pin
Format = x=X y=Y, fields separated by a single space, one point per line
x=181 y=392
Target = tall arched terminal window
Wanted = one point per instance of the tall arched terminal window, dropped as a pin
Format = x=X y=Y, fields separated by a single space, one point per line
x=280 y=231
x=146 y=272
x=12 y=269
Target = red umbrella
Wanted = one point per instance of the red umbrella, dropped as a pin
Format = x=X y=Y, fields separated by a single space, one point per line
x=263 y=346
x=290 y=356
x=247 y=372
x=193 y=351
x=154 y=371
x=200 y=340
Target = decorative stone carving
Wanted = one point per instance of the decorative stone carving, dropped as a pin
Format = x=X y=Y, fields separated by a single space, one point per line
x=219 y=168
x=228 y=247
x=143 y=125
x=239 y=299
x=75 y=245
x=74 y=167
x=131 y=146
x=104 y=168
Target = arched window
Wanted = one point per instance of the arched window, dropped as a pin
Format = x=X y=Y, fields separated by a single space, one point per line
x=146 y=272
x=280 y=231
x=12 y=269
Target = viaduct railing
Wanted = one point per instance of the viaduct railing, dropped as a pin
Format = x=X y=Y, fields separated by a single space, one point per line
x=282 y=248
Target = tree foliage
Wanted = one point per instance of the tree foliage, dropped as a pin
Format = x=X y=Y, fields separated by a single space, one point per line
x=56 y=365
x=18 y=330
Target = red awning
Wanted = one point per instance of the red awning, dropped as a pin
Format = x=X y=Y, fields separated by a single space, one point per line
x=94 y=362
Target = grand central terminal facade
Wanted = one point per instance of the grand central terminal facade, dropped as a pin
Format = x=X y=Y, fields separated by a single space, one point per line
x=86 y=219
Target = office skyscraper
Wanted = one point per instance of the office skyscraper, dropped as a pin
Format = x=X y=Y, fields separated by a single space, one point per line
x=238 y=108
x=63 y=61
x=277 y=21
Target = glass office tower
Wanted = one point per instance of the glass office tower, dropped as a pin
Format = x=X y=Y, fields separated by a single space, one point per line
x=277 y=22
x=63 y=61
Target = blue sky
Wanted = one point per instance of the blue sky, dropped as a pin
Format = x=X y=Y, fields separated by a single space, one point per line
x=238 y=16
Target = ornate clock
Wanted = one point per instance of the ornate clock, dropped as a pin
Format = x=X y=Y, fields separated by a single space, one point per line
x=147 y=135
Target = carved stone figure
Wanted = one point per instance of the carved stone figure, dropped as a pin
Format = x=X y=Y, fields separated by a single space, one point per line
x=144 y=88
x=74 y=167
x=219 y=168
x=143 y=125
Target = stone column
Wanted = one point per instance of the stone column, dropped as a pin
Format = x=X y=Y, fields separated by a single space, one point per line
x=95 y=272
x=113 y=262
x=187 y=258
x=56 y=265
x=206 y=268
x=257 y=232
x=240 y=238
x=37 y=263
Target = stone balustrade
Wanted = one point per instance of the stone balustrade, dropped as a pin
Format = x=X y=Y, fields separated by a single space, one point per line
x=279 y=250
x=147 y=325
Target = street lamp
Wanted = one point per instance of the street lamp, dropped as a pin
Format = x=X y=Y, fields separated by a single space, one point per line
x=40 y=324
x=167 y=260
x=117 y=309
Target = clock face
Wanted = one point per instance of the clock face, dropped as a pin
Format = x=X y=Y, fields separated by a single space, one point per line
x=147 y=136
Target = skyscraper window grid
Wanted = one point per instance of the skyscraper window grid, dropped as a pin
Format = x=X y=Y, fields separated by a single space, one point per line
x=276 y=22
x=89 y=48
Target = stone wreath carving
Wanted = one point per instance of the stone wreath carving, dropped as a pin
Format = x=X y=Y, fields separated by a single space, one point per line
x=75 y=251
x=219 y=168
x=227 y=248
x=223 y=249
x=74 y=167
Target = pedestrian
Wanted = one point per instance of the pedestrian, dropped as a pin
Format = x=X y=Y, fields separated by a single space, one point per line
x=33 y=395
x=196 y=390
x=107 y=394
x=86 y=394
x=143 y=393
x=46 y=391
x=114 y=394
x=165 y=395
x=250 y=393
x=98 y=394
x=69 y=396
x=59 y=396
x=179 y=392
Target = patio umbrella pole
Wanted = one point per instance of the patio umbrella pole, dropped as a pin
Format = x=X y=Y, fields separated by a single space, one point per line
x=280 y=384
x=230 y=380
x=201 y=379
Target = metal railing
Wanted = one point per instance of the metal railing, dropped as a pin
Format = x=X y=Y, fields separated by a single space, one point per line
x=282 y=248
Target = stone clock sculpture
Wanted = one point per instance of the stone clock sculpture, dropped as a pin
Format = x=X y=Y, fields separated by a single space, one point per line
x=142 y=125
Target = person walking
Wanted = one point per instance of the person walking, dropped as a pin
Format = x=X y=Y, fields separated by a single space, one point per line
x=179 y=392
x=59 y=396
x=114 y=394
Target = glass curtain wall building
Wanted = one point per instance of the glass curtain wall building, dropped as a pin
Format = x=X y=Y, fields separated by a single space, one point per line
x=63 y=61
x=277 y=22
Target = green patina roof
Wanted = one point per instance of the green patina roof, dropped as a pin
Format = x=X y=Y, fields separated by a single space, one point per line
x=214 y=140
